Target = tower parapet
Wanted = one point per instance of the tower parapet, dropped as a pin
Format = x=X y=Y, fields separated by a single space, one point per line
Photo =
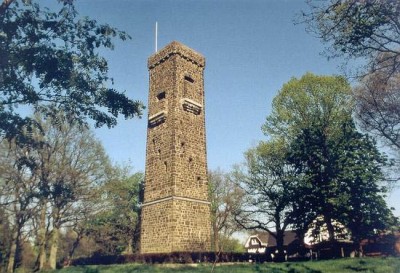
x=178 y=49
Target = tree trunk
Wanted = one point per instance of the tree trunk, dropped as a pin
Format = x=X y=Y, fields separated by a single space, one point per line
x=15 y=240
x=215 y=237
x=280 y=255
x=331 y=229
x=13 y=253
x=74 y=247
x=41 y=260
x=53 y=248
x=136 y=234
x=129 y=248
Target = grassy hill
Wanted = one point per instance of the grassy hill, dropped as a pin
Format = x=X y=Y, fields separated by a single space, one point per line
x=372 y=265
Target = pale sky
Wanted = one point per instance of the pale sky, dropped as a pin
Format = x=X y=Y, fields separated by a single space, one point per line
x=251 y=48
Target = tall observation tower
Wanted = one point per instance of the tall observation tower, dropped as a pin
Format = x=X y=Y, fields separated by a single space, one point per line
x=176 y=210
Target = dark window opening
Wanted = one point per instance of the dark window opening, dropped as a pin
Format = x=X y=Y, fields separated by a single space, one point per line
x=189 y=79
x=161 y=95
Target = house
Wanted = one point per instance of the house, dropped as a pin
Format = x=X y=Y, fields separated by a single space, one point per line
x=263 y=242
x=317 y=232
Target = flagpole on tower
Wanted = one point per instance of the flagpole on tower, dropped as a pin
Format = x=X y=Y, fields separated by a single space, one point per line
x=156 y=36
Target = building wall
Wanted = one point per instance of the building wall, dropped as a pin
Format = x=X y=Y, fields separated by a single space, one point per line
x=176 y=211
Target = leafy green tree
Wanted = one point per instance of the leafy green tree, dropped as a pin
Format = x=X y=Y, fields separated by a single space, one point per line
x=311 y=100
x=268 y=182
x=53 y=57
x=231 y=244
x=314 y=156
x=115 y=228
x=341 y=181
x=338 y=169
x=308 y=114
x=364 y=207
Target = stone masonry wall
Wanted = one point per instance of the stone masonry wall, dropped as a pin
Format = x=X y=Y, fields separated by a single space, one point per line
x=176 y=211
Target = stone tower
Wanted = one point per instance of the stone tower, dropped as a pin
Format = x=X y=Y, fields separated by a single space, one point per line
x=176 y=210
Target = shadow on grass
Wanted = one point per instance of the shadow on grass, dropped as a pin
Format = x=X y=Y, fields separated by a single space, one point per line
x=303 y=269
x=361 y=267
x=91 y=270
x=285 y=268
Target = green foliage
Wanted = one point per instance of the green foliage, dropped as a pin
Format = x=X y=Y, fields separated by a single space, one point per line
x=340 y=180
x=337 y=169
x=53 y=57
x=115 y=228
x=309 y=101
x=228 y=244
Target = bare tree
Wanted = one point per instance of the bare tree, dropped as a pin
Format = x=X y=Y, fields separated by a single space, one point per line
x=268 y=182
x=18 y=196
x=53 y=180
x=368 y=31
x=378 y=106
x=226 y=197
x=358 y=29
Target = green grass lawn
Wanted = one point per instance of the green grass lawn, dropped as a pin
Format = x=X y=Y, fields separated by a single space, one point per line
x=375 y=265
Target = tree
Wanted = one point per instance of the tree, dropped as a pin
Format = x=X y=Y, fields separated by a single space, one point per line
x=225 y=197
x=230 y=244
x=121 y=219
x=17 y=199
x=311 y=100
x=358 y=29
x=50 y=61
x=364 y=207
x=71 y=166
x=370 y=31
x=312 y=109
x=338 y=169
x=378 y=107
x=49 y=184
x=314 y=156
x=268 y=183
x=341 y=181
x=5 y=235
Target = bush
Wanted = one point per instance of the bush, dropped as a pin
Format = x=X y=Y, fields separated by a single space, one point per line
x=174 y=257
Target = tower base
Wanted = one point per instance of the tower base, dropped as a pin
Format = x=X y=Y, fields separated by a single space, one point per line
x=173 y=225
